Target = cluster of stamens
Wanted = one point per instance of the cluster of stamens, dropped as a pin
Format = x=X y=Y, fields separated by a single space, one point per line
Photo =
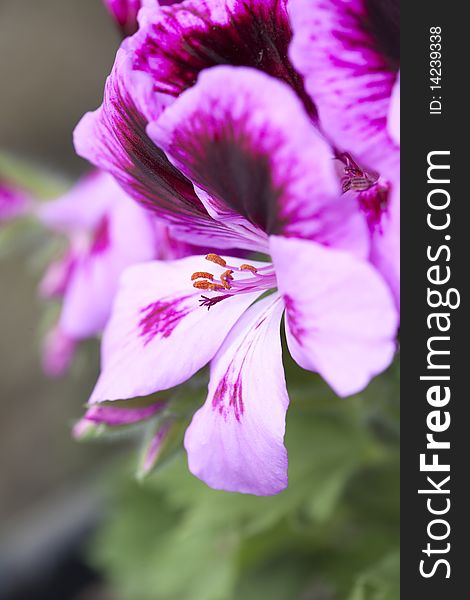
x=263 y=279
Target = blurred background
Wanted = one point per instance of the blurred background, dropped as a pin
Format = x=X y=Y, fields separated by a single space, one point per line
x=54 y=57
x=74 y=522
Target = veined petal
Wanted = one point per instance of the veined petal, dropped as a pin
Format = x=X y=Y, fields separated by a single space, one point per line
x=245 y=140
x=125 y=236
x=235 y=441
x=116 y=416
x=348 y=52
x=341 y=319
x=159 y=335
x=175 y=43
x=114 y=138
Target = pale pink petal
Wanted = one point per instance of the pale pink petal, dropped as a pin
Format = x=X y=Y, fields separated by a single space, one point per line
x=340 y=316
x=117 y=416
x=159 y=335
x=57 y=277
x=235 y=441
x=154 y=448
x=125 y=236
x=57 y=352
x=83 y=206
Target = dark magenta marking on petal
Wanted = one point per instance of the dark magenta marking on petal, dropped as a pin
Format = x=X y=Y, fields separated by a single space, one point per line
x=101 y=239
x=235 y=170
x=228 y=396
x=374 y=204
x=293 y=319
x=162 y=317
x=384 y=25
x=379 y=23
x=257 y=34
x=147 y=174
x=115 y=416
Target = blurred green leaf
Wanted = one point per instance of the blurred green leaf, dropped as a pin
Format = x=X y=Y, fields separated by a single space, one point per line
x=381 y=582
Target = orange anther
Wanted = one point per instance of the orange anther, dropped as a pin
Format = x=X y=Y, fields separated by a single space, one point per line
x=207 y=285
x=203 y=285
x=201 y=275
x=215 y=258
x=225 y=278
x=245 y=267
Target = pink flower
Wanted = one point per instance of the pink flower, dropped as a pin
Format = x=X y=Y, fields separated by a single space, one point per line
x=207 y=121
x=266 y=177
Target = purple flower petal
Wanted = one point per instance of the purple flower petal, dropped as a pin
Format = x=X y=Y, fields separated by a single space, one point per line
x=159 y=335
x=124 y=236
x=177 y=42
x=58 y=274
x=235 y=441
x=350 y=65
x=245 y=140
x=114 y=138
x=340 y=317
x=154 y=448
x=115 y=416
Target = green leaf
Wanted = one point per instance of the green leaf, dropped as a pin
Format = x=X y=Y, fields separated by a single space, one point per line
x=381 y=582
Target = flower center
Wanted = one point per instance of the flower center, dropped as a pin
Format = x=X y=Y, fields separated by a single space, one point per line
x=234 y=279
